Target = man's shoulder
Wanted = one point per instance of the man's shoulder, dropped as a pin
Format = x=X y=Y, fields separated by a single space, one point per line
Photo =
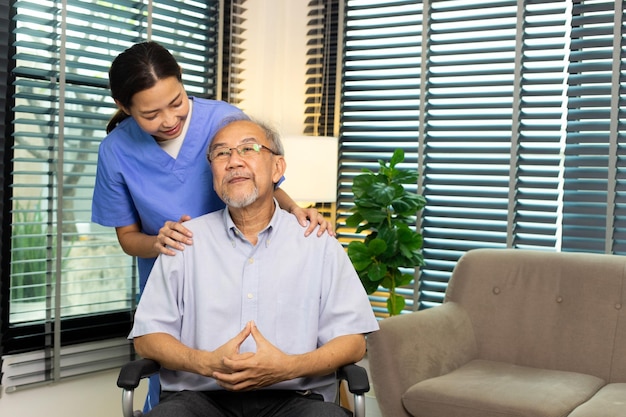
x=206 y=220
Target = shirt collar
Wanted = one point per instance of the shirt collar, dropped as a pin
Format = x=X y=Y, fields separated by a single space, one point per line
x=265 y=235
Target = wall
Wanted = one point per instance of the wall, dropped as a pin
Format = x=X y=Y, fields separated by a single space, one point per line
x=275 y=59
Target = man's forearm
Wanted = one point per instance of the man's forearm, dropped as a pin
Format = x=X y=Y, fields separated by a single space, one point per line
x=170 y=352
x=340 y=351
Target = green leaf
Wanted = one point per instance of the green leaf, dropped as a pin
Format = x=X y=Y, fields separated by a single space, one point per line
x=374 y=215
x=397 y=157
x=405 y=177
x=405 y=279
x=359 y=254
x=370 y=286
x=361 y=184
x=376 y=272
x=376 y=246
x=383 y=193
x=354 y=220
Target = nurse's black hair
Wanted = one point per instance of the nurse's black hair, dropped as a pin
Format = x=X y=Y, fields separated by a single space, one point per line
x=136 y=69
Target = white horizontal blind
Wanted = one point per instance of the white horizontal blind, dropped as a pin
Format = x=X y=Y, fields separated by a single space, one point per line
x=321 y=85
x=493 y=130
x=539 y=108
x=380 y=99
x=593 y=212
x=70 y=281
x=5 y=129
x=233 y=48
x=31 y=369
x=504 y=94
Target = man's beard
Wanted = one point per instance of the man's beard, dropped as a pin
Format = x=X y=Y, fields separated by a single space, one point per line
x=242 y=201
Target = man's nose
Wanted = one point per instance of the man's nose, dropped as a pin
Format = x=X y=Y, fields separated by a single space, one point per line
x=235 y=158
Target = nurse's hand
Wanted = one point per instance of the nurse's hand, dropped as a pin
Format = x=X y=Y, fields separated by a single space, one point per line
x=173 y=235
x=315 y=218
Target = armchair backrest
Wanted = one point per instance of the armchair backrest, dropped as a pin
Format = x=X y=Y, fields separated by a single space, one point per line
x=555 y=310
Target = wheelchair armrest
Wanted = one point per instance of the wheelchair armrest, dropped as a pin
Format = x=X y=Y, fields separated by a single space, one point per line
x=132 y=372
x=356 y=377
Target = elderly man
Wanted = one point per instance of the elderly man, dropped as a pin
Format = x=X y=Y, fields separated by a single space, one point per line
x=253 y=319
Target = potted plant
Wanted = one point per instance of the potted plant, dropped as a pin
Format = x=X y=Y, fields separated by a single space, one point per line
x=384 y=206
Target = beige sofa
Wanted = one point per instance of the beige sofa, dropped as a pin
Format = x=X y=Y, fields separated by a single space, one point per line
x=520 y=333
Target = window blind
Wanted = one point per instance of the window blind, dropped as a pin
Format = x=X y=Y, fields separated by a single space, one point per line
x=492 y=132
x=511 y=114
x=380 y=99
x=321 y=85
x=69 y=280
x=232 y=45
x=5 y=132
x=593 y=210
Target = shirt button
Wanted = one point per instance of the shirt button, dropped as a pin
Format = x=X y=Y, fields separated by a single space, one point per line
x=250 y=296
x=251 y=260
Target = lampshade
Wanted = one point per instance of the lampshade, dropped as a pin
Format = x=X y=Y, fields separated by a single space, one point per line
x=311 y=174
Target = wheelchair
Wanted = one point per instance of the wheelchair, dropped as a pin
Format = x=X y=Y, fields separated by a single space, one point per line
x=133 y=372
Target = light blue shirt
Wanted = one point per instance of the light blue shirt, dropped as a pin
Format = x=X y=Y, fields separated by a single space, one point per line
x=300 y=291
x=138 y=182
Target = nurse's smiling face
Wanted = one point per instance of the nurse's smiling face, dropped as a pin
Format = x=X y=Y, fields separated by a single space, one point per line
x=161 y=110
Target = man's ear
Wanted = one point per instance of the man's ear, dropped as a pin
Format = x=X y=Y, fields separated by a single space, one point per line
x=280 y=165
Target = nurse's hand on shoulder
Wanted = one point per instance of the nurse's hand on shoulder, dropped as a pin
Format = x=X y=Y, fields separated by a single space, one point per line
x=173 y=235
x=315 y=218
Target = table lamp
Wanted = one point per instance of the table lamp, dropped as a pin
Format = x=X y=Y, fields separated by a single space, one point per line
x=311 y=175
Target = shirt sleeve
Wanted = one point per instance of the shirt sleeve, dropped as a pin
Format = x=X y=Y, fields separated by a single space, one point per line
x=346 y=307
x=159 y=309
x=111 y=204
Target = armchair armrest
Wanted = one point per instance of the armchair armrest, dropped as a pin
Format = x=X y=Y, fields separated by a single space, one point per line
x=412 y=347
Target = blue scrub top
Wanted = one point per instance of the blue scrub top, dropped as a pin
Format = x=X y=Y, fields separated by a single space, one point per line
x=138 y=182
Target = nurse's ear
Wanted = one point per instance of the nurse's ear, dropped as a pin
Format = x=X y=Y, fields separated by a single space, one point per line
x=121 y=107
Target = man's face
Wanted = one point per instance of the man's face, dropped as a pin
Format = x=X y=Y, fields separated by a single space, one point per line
x=241 y=180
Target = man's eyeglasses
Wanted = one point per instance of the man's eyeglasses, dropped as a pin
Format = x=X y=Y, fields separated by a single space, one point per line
x=245 y=150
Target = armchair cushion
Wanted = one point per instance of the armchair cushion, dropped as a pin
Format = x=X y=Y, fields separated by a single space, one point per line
x=608 y=402
x=483 y=388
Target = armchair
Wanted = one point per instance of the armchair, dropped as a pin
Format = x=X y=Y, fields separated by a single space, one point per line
x=132 y=373
x=520 y=333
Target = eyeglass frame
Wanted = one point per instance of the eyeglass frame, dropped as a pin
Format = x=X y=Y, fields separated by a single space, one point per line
x=241 y=150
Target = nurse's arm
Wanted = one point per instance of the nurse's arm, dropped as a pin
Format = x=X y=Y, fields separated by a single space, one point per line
x=136 y=243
